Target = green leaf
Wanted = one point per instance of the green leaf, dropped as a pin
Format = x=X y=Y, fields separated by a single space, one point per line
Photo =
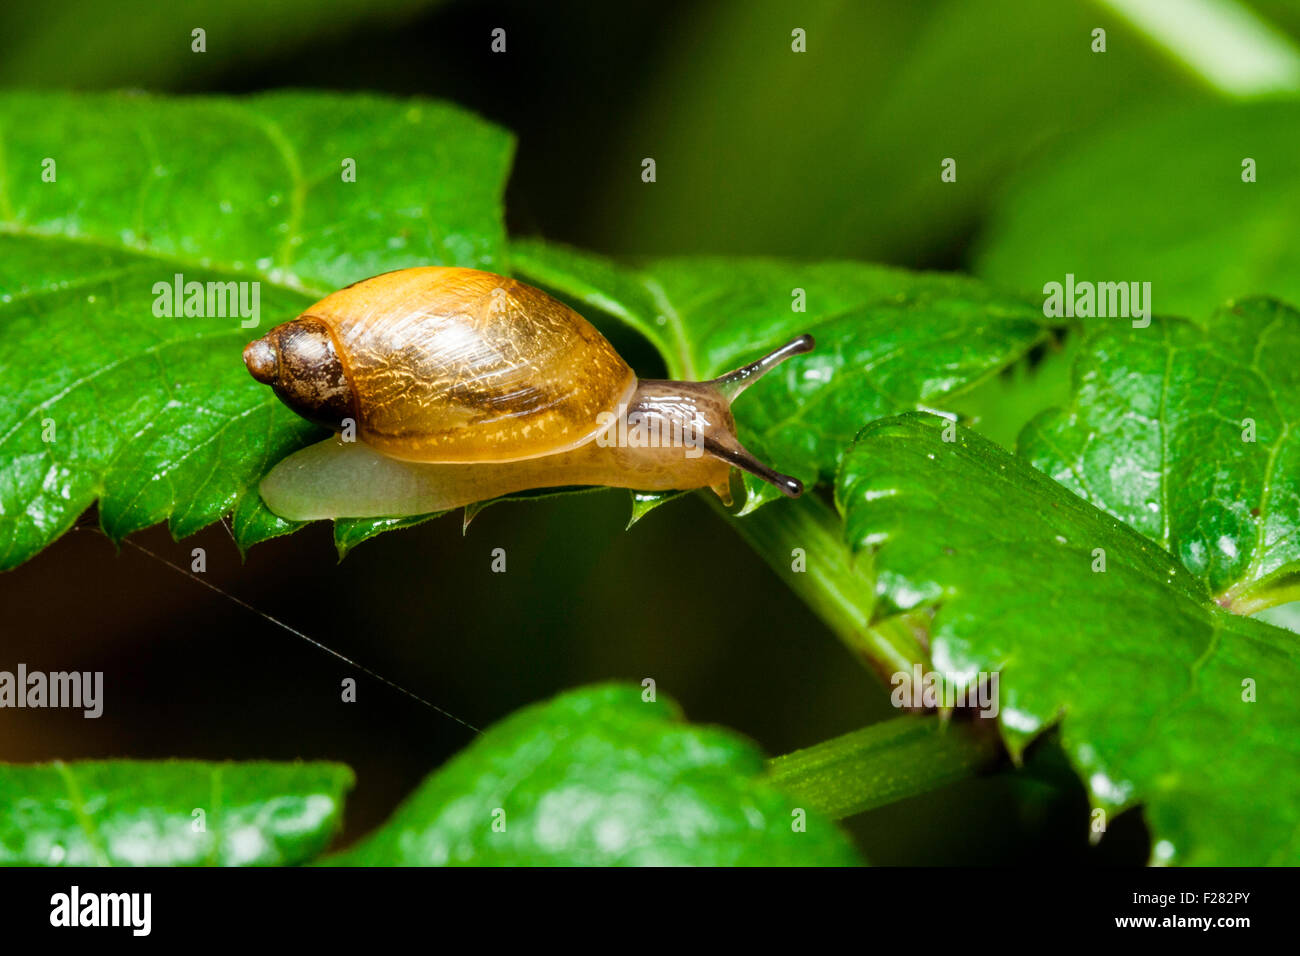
x=155 y=416
x=1148 y=677
x=252 y=522
x=1190 y=433
x=143 y=813
x=350 y=532
x=887 y=340
x=599 y=777
x=1158 y=199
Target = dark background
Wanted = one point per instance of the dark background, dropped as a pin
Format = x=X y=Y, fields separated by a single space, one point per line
x=833 y=153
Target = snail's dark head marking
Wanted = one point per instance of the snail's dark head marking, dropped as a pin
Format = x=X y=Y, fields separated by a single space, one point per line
x=299 y=361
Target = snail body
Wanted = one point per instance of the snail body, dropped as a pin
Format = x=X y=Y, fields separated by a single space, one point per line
x=461 y=385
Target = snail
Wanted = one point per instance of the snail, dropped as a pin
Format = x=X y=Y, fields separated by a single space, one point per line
x=452 y=386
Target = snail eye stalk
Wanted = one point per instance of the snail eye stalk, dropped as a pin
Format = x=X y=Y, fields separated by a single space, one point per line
x=734 y=453
x=733 y=383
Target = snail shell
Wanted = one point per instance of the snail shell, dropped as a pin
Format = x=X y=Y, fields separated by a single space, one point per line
x=455 y=365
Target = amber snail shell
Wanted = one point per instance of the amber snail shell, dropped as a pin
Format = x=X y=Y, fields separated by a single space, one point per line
x=460 y=385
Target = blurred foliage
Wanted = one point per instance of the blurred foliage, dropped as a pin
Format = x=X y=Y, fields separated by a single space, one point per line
x=1175 y=212
x=602 y=775
x=836 y=152
x=92 y=44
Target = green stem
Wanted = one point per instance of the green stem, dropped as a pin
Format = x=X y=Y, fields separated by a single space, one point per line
x=885 y=762
x=1251 y=597
x=839 y=592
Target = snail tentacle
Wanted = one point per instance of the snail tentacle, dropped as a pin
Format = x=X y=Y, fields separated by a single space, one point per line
x=727 y=448
x=735 y=382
